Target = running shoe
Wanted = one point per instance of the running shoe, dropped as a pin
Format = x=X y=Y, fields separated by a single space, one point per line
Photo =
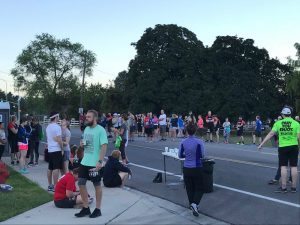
x=194 y=209
x=51 y=188
x=293 y=190
x=30 y=164
x=281 y=190
x=238 y=143
x=273 y=181
x=84 y=212
x=96 y=213
x=24 y=171
x=12 y=163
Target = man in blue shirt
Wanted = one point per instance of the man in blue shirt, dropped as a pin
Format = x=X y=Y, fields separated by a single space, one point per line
x=258 y=130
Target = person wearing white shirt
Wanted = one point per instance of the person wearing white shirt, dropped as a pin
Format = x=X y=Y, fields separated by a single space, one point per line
x=162 y=125
x=55 y=150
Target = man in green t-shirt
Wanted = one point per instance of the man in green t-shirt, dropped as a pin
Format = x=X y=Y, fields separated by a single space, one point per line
x=288 y=131
x=95 y=145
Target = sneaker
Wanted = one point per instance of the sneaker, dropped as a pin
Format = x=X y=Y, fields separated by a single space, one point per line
x=84 y=212
x=18 y=161
x=96 y=213
x=238 y=143
x=91 y=200
x=30 y=164
x=293 y=190
x=211 y=141
x=281 y=190
x=273 y=181
x=36 y=163
x=243 y=143
x=12 y=163
x=206 y=140
x=51 y=188
x=24 y=171
x=194 y=209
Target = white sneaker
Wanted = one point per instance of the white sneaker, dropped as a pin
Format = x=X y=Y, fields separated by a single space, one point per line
x=194 y=209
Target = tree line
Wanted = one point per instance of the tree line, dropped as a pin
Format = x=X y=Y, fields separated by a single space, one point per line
x=172 y=69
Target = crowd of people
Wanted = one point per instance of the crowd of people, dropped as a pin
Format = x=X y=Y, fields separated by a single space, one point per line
x=86 y=162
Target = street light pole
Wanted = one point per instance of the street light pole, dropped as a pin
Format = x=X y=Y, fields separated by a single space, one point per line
x=19 y=99
x=5 y=87
x=83 y=76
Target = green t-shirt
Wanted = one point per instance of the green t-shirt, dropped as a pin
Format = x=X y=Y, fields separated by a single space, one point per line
x=287 y=130
x=93 y=138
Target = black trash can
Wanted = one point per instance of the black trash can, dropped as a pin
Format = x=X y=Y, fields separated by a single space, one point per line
x=208 y=178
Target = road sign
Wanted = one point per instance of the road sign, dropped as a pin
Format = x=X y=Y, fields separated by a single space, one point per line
x=80 y=110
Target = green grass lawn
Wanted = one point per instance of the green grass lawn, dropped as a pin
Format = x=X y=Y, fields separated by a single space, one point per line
x=24 y=196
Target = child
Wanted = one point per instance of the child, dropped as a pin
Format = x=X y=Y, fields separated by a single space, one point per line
x=226 y=126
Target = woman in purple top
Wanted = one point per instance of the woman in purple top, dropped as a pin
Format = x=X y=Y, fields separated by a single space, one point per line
x=192 y=149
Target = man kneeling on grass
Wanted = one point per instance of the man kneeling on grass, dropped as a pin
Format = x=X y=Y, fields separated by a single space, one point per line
x=65 y=195
x=115 y=173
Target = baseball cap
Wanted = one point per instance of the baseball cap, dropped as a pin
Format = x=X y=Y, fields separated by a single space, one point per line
x=286 y=111
x=53 y=115
x=115 y=114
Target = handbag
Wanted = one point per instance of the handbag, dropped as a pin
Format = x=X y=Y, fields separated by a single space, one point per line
x=118 y=142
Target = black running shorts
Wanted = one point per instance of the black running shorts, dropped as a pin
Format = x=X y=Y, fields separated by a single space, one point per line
x=288 y=155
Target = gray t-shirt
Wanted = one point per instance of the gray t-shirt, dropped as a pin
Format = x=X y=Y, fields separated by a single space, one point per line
x=124 y=135
x=64 y=135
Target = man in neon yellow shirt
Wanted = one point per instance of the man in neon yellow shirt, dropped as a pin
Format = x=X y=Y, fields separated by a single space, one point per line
x=288 y=131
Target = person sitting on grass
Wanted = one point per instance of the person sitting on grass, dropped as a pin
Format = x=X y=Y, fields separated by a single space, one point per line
x=65 y=195
x=115 y=173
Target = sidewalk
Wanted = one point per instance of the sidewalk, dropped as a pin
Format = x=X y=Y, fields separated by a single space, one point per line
x=119 y=206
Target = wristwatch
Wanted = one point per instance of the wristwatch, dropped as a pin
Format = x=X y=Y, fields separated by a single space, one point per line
x=100 y=161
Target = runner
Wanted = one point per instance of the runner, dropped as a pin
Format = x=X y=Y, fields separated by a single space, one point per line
x=66 y=137
x=155 y=126
x=124 y=134
x=240 y=130
x=288 y=131
x=181 y=127
x=174 y=126
x=258 y=130
x=36 y=136
x=95 y=145
x=210 y=127
x=23 y=145
x=227 y=129
x=13 y=140
x=217 y=125
x=54 y=142
x=2 y=140
x=162 y=125
x=148 y=128
x=200 y=125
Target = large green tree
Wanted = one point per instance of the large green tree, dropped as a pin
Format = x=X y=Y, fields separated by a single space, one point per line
x=48 y=67
x=173 y=70
x=165 y=72
x=293 y=81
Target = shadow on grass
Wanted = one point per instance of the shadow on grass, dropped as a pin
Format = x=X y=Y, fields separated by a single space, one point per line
x=25 y=196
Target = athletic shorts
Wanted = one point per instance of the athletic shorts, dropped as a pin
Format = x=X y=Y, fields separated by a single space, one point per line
x=240 y=132
x=55 y=161
x=148 y=131
x=84 y=176
x=115 y=182
x=162 y=128
x=288 y=155
x=155 y=126
x=13 y=144
x=210 y=128
x=65 y=203
x=257 y=133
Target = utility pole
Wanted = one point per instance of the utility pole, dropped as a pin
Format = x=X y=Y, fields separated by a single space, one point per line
x=83 y=76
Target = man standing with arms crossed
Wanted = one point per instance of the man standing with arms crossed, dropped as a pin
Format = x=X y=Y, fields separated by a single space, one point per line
x=54 y=142
x=95 y=145
x=162 y=125
x=288 y=131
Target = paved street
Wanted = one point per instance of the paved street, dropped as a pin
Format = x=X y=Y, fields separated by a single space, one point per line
x=241 y=193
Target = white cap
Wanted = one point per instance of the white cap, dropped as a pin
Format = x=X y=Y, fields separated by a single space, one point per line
x=115 y=114
x=286 y=111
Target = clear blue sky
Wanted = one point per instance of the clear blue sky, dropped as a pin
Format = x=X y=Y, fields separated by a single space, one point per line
x=108 y=27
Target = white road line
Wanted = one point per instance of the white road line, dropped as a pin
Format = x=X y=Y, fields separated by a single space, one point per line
x=227 y=188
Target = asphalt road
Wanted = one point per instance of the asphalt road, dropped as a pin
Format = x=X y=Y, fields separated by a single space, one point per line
x=241 y=193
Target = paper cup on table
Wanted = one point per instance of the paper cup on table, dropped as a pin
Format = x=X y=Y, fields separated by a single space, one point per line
x=166 y=149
